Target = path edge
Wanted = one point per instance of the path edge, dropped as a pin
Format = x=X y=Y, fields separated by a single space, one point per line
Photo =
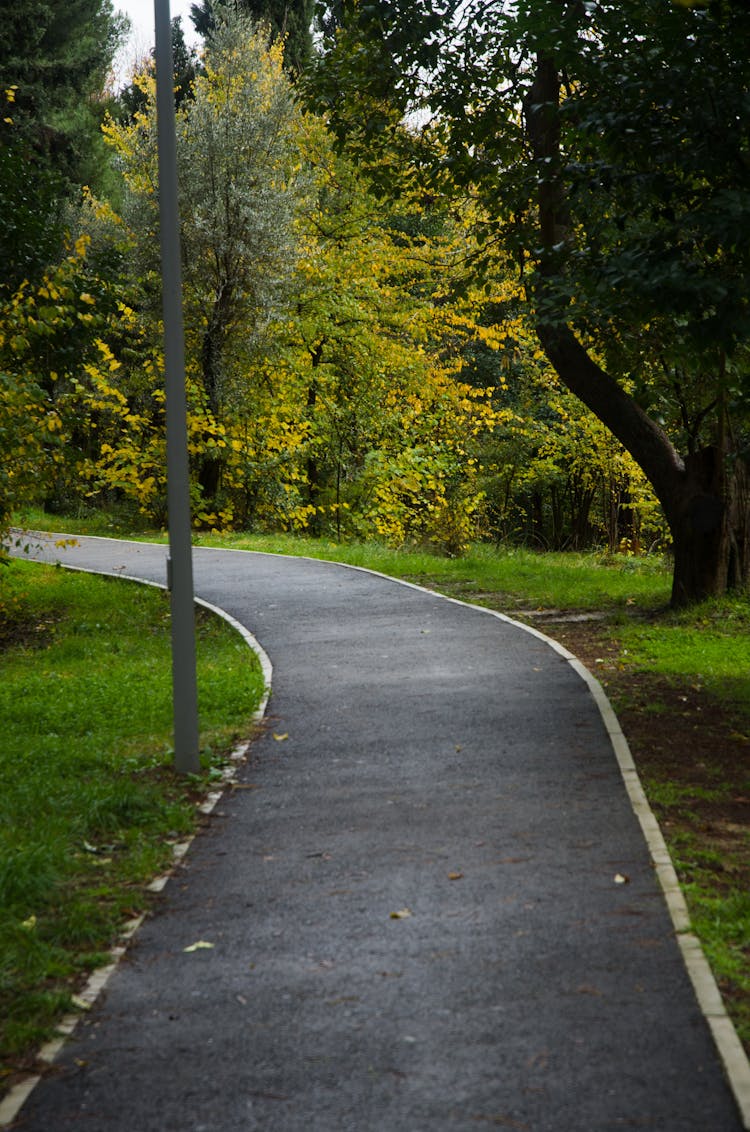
x=731 y=1051
x=14 y=1100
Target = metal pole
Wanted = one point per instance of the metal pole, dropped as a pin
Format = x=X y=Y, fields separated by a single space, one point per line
x=184 y=680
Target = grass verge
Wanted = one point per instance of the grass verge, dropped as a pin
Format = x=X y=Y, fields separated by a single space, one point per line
x=90 y=808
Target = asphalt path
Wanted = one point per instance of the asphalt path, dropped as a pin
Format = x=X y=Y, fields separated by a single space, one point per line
x=431 y=908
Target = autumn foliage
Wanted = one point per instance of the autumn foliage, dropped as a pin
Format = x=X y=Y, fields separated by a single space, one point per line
x=343 y=373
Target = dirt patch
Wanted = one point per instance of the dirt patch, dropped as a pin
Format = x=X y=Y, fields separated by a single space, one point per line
x=25 y=632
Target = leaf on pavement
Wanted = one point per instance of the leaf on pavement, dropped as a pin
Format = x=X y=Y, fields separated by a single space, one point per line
x=200 y=945
x=402 y=914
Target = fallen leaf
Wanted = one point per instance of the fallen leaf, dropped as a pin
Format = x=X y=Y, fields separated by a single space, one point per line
x=402 y=914
x=280 y=738
x=241 y=999
x=30 y=924
x=200 y=945
x=455 y=876
x=620 y=879
x=80 y=1003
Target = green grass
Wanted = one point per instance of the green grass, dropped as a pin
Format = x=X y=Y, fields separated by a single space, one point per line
x=90 y=806
x=708 y=645
x=720 y=917
x=515 y=575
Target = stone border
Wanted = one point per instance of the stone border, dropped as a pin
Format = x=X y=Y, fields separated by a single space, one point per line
x=12 y=1103
x=730 y=1049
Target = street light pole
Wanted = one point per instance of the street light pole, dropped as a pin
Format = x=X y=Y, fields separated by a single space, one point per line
x=184 y=679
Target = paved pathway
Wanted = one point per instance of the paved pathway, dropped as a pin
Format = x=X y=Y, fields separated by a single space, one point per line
x=443 y=764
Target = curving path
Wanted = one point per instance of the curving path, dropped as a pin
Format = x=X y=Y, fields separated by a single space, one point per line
x=441 y=763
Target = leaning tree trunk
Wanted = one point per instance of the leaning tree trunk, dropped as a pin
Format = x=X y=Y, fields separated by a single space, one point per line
x=704 y=497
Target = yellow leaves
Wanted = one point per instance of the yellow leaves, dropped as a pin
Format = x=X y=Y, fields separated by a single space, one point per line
x=10 y=97
x=106 y=355
x=127 y=315
x=199 y=945
x=402 y=914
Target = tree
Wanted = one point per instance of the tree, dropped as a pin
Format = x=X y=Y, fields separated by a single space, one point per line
x=44 y=331
x=240 y=184
x=339 y=407
x=133 y=97
x=329 y=17
x=607 y=144
x=290 y=20
x=55 y=58
x=373 y=350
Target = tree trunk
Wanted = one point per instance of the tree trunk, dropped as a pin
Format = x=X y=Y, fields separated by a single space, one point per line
x=211 y=466
x=312 y=467
x=209 y=477
x=706 y=497
x=709 y=528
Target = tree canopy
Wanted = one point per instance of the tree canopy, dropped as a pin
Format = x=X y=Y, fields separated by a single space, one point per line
x=290 y=20
x=55 y=58
x=532 y=230
x=608 y=143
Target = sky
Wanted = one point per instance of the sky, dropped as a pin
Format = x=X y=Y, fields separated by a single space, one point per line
x=141 y=14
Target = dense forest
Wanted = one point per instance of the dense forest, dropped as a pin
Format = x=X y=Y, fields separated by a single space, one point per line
x=452 y=270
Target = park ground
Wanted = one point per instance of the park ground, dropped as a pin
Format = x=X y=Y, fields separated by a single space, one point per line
x=679 y=684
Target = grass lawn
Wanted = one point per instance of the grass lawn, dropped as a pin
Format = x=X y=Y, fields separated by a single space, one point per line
x=680 y=683
x=90 y=808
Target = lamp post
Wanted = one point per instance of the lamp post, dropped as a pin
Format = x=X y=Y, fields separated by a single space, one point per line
x=184 y=679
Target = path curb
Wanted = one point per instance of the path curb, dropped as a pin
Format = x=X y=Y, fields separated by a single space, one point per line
x=12 y=1103
x=730 y=1049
